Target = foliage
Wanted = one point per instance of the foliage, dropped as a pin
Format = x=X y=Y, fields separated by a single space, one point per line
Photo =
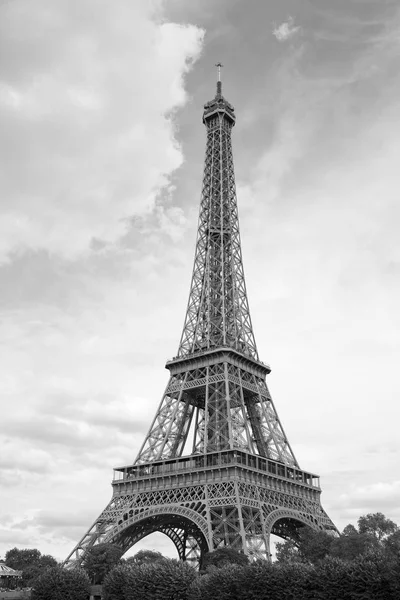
x=31 y=562
x=375 y=532
x=391 y=544
x=163 y=580
x=368 y=578
x=287 y=552
x=315 y=545
x=222 y=583
x=145 y=557
x=224 y=556
x=349 y=547
x=377 y=525
x=312 y=546
x=58 y=583
x=99 y=560
x=20 y=559
x=349 y=530
x=260 y=580
x=115 y=582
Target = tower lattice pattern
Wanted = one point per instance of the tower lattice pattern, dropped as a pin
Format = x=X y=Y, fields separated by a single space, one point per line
x=215 y=468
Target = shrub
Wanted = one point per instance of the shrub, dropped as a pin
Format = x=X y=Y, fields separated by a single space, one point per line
x=57 y=583
x=115 y=581
x=223 y=583
x=224 y=556
x=99 y=560
x=164 y=580
x=370 y=578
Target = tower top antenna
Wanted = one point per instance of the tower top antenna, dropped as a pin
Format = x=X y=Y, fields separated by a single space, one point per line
x=219 y=83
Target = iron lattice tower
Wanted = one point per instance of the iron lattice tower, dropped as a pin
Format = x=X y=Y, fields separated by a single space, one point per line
x=239 y=480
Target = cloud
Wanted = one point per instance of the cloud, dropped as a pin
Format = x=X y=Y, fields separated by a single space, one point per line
x=86 y=113
x=88 y=97
x=363 y=499
x=285 y=30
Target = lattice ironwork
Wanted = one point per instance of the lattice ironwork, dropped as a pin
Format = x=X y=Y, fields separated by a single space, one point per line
x=232 y=407
x=240 y=481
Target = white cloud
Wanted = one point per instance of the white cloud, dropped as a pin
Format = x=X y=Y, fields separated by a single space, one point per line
x=285 y=30
x=85 y=113
x=87 y=107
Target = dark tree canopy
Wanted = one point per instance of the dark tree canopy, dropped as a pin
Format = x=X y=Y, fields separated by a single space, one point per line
x=116 y=580
x=349 y=547
x=160 y=580
x=392 y=544
x=30 y=561
x=287 y=552
x=58 y=583
x=376 y=524
x=20 y=559
x=349 y=530
x=99 y=560
x=224 y=556
x=312 y=546
x=375 y=533
x=144 y=557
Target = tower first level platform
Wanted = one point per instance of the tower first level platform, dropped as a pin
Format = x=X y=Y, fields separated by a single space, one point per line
x=204 y=502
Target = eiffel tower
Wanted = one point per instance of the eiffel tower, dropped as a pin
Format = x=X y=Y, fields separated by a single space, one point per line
x=216 y=468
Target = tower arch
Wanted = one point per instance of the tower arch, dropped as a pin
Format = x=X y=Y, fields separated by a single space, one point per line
x=186 y=529
x=286 y=523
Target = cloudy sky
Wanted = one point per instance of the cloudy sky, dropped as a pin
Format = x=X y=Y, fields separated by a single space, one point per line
x=101 y=152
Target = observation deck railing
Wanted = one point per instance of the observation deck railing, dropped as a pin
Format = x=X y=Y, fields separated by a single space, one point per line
x=212 y=460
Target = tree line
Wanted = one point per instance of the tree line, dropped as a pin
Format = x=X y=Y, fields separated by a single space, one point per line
x=363 y=562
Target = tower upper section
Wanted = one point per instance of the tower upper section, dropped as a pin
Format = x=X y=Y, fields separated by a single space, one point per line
x=216 y=107
x=218 y=313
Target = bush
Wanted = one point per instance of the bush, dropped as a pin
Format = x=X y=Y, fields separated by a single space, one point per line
x=223 y=557
x=99 y=560
x=58 y=583
x=368 y=577
x=164 y=580
x=115 y=582
x=222 y=583
x=260 y=580
x=31 y=562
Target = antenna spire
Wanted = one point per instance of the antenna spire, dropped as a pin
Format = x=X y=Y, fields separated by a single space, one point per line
x=219 y=83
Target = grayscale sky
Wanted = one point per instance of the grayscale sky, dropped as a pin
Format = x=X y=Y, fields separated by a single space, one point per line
x=101 y=153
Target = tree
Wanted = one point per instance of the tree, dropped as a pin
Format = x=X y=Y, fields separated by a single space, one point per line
x=116 y=580
x=349 y=530
x=145 y=557
x=31 y=562
x=162 y=580
x=377 y=525
x=58 y=583
x=20 y=559
x=375 y=532
x=352 y=544
x=391 y=544
x=259 y=580
x=287 y=552
x=224 y=556
x=99 y=560
x=223 y=583
x=312 y=546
